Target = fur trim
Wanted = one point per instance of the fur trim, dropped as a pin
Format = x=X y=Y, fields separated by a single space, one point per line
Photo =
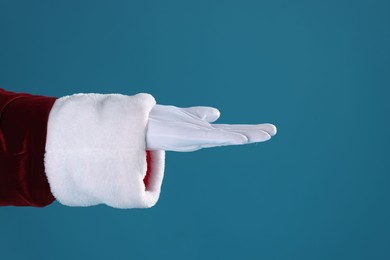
x=95 y=151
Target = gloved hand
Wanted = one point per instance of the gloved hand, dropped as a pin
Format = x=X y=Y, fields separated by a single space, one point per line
x=177 y=129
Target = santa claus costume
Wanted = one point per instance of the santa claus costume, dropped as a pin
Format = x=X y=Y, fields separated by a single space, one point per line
x=82 y=150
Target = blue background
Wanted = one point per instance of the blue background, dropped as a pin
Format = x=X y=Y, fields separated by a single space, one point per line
x=319 y=70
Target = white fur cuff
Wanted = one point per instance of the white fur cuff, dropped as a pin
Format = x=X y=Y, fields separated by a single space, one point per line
x=95 y=151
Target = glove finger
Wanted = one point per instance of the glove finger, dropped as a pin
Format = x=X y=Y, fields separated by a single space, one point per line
x=208 y=114
x=187 y=140
x=269 y=128
x=254 y=135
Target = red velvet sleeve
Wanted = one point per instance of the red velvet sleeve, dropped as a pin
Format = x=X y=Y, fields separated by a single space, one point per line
x=23 y=126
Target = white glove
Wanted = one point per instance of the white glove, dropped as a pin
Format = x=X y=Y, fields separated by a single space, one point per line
x=177 y=129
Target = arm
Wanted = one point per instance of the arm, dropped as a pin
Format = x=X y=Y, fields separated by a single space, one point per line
x=89 y=149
